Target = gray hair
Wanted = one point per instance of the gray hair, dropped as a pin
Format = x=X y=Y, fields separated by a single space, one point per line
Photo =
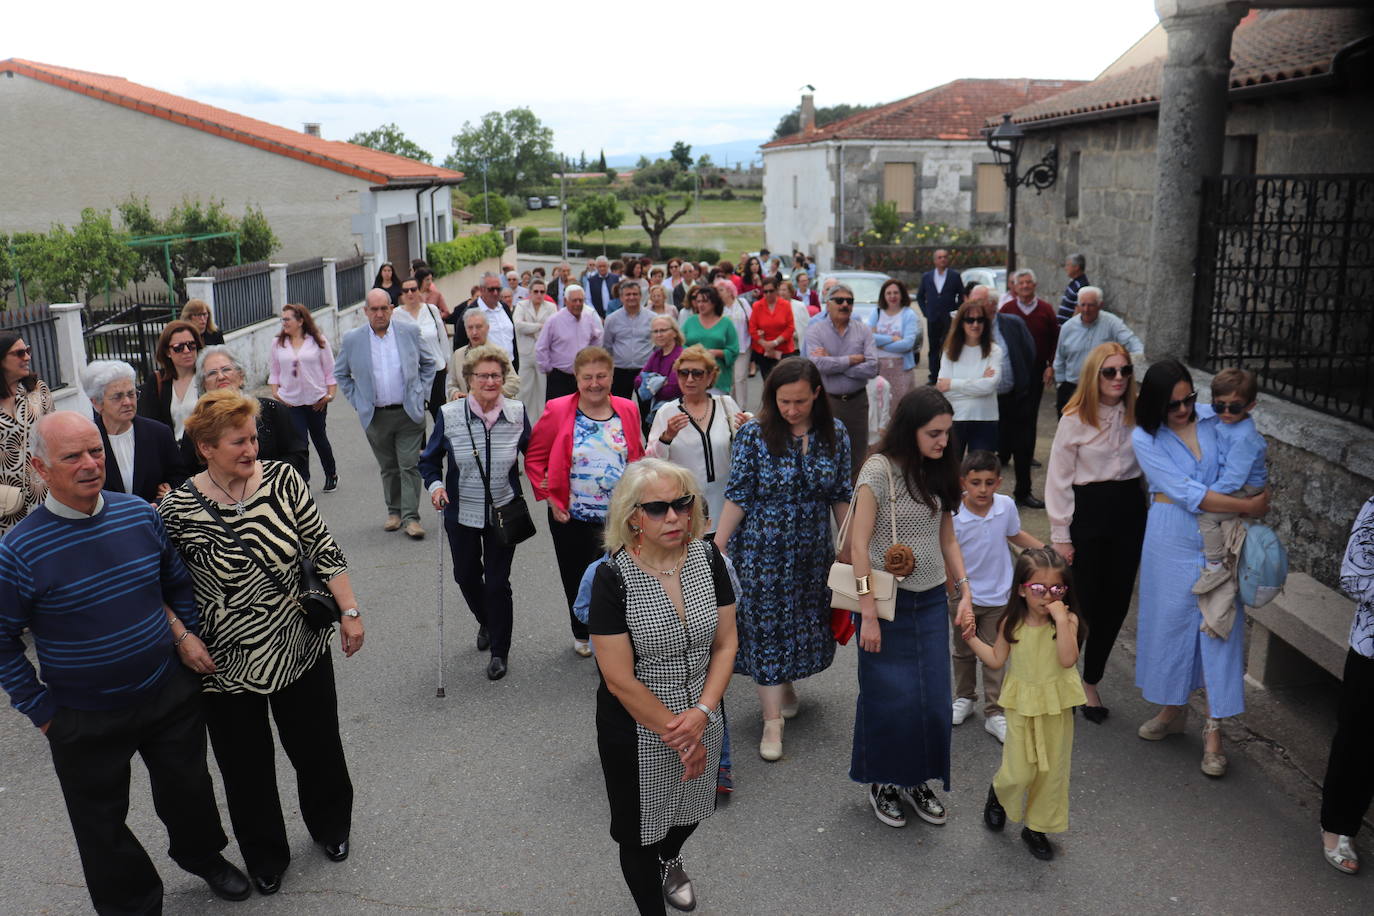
x=486 y=353
x=573 y=288
x=98 y=375
x=216 y=350
x=1095 y=290
x=1077 y=260
x=602 y=259
x=837 y=288
x=471 y=314
x=38 y=435
x=1024 y=272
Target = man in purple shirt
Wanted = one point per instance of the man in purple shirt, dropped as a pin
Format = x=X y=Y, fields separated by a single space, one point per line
x=844 y=352
x=567 y=332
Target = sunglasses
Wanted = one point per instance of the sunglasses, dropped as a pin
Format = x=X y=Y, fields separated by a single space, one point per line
x=1111 y=372
x=21 y=352
x=492 y=289
x=1189 y=401
x=842 y=300
x=659 y=508
x=975 y=319
x=1221 y=407
x=410 y=289
x=183 y=347
x=1054 y=591
x=691 y=373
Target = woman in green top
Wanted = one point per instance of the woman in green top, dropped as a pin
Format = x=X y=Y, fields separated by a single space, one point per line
x=712 y=330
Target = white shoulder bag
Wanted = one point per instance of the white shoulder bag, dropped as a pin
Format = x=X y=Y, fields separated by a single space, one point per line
x=843 y=587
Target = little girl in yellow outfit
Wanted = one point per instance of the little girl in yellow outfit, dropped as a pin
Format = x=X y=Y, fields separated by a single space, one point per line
x=1042 y=634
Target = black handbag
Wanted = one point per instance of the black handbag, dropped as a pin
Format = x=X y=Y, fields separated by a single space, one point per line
x=316 y=602
x=511 y=523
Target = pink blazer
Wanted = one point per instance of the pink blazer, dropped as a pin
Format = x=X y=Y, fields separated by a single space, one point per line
x=548 y=462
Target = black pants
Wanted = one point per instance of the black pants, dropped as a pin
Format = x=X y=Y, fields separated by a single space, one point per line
x=1108 y=531
x=558 y=384
x=766 y=364
x=936 y=331
x=481 y=567
x=1016 y=415
x=640 y=865
x=975 y=436
x=91 y=750
x=310 y=423
x=576 y=544
x=307 y=716
x=1349 y=784
x=438 y=396
x=1062 y=395
x=623 y=383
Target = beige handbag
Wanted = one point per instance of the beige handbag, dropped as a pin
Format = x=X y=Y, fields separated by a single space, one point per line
x=843 y=587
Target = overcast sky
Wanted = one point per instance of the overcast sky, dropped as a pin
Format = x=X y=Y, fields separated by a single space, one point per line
x=626 y=81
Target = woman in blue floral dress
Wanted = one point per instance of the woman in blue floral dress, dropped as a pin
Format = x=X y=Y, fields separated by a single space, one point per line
x=788 y=472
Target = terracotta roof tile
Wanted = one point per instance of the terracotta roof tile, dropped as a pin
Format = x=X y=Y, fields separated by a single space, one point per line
x=954 y=111
x=1267 y=47
x=358 y=161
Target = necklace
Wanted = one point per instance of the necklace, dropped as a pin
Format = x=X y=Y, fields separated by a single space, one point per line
x=659 y=572
x=239 y=506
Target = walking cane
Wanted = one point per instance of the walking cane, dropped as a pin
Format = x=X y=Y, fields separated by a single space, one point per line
x=440 y=590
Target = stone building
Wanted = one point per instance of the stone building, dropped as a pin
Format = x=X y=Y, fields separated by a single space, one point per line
x=1243 y=237
x=923 y=152
x=71 y=139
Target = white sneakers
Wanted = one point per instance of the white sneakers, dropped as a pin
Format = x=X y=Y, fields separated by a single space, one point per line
x=997 y=727
x=582 y=647
x=962 y=708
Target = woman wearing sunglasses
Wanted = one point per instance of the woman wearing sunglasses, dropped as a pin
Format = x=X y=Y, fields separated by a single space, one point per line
x=171 y=393
x=301 y=374
x=1096 y=503
x=968 y=376
x=23 y=399
x=1175 y=442
x=662 y=616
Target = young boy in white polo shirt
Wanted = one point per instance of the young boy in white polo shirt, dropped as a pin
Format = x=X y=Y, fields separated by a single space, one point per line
x=984 y=525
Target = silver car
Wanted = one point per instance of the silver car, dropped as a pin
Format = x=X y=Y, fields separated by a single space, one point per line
x=866 y=285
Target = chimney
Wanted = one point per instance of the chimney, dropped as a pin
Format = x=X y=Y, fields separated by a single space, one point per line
x=808 y=113
x=312 y=128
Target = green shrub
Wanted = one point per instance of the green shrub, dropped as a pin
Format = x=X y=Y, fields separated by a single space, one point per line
x=499 y=209
x=529 y=232
x=449 y=257
x=516 y=204
x=727 y=194
x=883 y=216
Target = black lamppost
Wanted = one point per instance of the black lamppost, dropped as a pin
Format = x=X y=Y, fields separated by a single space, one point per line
x=1005 y=142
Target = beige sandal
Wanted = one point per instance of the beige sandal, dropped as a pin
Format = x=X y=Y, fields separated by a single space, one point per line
x=1157 y=729
x=771 y=750
x=1213 y=762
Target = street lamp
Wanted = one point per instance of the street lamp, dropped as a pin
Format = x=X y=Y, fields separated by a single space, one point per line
x=1005 y=141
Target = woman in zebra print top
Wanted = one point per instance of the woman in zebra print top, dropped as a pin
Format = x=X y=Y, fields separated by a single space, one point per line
x=264 y=654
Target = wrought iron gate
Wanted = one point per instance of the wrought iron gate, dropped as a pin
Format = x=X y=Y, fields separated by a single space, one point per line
x=1285 y=287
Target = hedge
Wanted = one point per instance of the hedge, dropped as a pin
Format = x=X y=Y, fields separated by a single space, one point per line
x=615 y=249
x=450 y=257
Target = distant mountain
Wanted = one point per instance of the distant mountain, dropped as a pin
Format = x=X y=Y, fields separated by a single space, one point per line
x=721 y=154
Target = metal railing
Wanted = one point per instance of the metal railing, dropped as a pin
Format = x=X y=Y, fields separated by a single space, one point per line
x=305 y=283
x=38 y=328
x=1285 y=287
x=243 y=295
x=350 y=280
x=130 y=335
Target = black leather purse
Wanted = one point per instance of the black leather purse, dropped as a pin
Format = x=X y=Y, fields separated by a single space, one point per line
x=314 y=599
x=512 y=522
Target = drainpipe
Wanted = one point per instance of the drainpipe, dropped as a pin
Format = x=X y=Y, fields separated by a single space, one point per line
x=419 y=224
x=433 y=220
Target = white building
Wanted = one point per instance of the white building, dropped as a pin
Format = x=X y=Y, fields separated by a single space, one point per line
x=924 y=152
x=70 y=139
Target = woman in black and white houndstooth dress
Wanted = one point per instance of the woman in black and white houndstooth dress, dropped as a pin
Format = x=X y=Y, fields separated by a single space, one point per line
x=662 y=619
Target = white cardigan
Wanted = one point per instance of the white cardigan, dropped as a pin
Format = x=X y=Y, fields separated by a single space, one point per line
x=973 y=396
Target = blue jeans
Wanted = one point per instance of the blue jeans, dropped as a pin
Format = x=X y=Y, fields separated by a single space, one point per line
x=310 y=424
x=975 y=435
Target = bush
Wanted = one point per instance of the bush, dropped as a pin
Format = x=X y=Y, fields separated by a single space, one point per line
x=615 y=249
x=883 y=216
x=685 y=182
x=449 y=257
x=529 y=232
x=499 y=209
x=516 y=204
x=727 y=194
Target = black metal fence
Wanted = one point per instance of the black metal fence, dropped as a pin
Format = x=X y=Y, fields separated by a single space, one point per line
x=130 y=335
x=38 y=328
x=350 y=280
x=1285 y=287
x=305 y=283
x=243 y=295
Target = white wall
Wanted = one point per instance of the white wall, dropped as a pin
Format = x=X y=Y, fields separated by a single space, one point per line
x=252 y=346
x=804 y=221
x=390 y=207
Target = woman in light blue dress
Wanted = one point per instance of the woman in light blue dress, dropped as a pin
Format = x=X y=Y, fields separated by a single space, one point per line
x=1175 y=442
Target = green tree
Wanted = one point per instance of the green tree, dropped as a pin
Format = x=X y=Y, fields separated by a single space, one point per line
x=390 y=139
x=652 y=211
x=256 y=240
x=601 y=162
x=704 y=162
x=514 y=149
x=682 y=155
x=643 y=162
x=791 y=122
x=660 y=174
x=491 y=207
x=597 y=214
x=77 y=264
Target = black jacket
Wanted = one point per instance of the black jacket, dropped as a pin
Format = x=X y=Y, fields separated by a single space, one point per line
x=277 y=439
x=157 y=460
x=1021 y=349
x=936 y=305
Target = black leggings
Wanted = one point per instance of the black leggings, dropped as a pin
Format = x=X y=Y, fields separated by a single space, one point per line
x=640 y=865
x=576 y=544
x=1108 y=531
x=1349 y=783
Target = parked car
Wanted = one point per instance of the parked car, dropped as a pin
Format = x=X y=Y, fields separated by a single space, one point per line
x=866 y=285
x=534 y=203
x=993 y=277
x=552 y=201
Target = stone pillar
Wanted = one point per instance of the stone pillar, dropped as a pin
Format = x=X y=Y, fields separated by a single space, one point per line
x=202 y=288
x=71 y=344
x=331 y=283
x=1192 y=132
x=278 y=287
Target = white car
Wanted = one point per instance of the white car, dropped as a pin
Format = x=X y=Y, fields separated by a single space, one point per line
x=993 y=277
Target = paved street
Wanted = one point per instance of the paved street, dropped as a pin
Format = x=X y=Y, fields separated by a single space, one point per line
x=492 y=801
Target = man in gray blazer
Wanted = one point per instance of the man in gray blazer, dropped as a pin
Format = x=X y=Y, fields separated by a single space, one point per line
x=386 y=374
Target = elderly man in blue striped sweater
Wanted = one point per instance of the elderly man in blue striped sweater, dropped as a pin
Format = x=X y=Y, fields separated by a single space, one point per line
x=109 y=603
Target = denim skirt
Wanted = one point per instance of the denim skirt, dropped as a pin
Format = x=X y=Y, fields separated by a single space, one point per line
x=903 y=717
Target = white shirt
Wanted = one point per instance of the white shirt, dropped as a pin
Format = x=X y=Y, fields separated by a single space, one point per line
x=433 y=336
x=973 y=396
x=502 y=329
x=386 y=370
x=983 y=542
x=182 y=408
x=123 y=447
x=1027 y=309
x=940 y=281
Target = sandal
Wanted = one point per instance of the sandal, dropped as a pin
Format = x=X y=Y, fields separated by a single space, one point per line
x=1213 y=762
x=1342 y=857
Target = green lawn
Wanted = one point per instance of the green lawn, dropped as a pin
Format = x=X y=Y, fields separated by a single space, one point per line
x=730 y=240
x=710 y=211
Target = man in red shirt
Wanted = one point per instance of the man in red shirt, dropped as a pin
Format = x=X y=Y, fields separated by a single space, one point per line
x=1040 y=319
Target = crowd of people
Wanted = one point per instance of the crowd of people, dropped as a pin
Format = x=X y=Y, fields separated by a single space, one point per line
x=693 y=531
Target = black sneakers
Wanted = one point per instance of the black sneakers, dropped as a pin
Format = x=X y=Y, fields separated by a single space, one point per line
x=887 y=804
x=331 y=483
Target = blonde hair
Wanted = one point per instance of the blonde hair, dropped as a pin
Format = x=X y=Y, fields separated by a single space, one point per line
x=216 y=413
x=1086 y=399
x=672 y=326
x=487 y=353
x=626 y=497
x=199 y=307
x=592 y=355
x=697 y=353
